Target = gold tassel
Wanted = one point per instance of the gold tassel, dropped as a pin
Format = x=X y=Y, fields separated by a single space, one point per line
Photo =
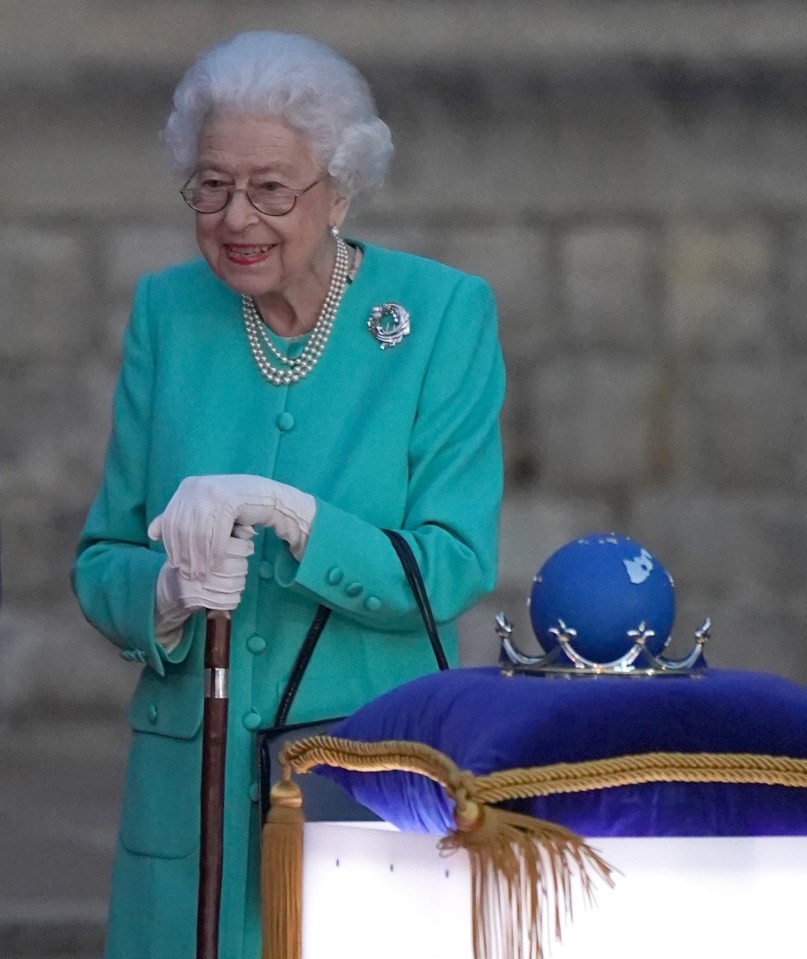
x=520 y=868
x=282 y=873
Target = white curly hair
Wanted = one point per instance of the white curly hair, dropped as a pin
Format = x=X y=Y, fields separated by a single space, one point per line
x=314 y=89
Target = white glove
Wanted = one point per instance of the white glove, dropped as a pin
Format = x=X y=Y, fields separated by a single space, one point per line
x=177 y=596
x=199 y=519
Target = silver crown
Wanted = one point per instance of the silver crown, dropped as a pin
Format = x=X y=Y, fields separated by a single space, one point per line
x=637 y=661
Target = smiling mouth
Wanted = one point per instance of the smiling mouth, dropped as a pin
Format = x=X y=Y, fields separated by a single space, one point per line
x=248 y=252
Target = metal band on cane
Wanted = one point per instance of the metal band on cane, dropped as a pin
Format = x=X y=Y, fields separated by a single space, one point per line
x=217 y=683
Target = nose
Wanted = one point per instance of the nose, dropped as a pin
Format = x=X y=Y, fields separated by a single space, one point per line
x=239 y=212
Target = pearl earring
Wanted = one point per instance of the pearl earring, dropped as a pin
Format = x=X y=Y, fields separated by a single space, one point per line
x=334 y=231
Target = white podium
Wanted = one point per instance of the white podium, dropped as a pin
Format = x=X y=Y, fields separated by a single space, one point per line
x=370 y=891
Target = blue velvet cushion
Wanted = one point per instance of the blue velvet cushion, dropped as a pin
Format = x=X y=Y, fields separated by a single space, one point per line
x=487 y=722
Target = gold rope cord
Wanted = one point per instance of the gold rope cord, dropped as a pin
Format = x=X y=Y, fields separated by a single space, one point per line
x=405 y=756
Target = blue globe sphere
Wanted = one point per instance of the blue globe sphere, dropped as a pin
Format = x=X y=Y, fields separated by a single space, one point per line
x=603 y=586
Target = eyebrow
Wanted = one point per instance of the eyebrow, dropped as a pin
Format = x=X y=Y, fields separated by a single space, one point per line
x=280 y=171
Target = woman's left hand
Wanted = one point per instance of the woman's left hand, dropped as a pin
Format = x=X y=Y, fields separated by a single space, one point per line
x=198 y=522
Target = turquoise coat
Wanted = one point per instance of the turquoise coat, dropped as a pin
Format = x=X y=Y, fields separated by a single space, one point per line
x=405 y=437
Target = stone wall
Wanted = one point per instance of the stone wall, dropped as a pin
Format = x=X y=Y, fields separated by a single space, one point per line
x=630 y=178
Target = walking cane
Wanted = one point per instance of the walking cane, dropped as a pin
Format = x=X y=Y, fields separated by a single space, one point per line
x=214 y=745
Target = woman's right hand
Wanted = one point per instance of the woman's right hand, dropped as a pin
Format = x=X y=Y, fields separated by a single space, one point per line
x=178 y=596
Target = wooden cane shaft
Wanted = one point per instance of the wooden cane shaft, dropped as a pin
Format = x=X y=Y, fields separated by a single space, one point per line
x=214 y=743
x=217 y=641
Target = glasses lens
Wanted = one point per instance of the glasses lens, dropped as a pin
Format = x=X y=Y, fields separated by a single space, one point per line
x=272 y=199
x=205 y=199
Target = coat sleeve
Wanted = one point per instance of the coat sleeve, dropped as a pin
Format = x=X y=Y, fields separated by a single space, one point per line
x=454 y=491
x=116 y=568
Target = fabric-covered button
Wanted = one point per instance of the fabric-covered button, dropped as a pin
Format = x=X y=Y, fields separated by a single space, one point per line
x=295 y=350
x=285 y=421
x=251 y=720
x=354 y=589
x=254 y=792
x=151 y=714
x=335 y=576
x=256 y=644
x=266 y=570
x=373 y=603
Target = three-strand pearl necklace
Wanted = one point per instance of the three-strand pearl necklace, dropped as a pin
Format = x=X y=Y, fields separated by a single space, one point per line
x=293 y=369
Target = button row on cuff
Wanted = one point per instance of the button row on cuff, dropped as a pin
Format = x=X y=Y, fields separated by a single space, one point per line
x=335 y=575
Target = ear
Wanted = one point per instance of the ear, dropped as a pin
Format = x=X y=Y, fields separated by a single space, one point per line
x=339 y=208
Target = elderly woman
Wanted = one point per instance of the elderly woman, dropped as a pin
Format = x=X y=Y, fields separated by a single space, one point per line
x=282 y=401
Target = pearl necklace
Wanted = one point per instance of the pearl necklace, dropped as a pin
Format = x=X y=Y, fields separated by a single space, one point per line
x=299 y=366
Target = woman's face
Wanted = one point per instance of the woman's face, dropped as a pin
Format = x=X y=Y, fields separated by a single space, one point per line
x=252 y=252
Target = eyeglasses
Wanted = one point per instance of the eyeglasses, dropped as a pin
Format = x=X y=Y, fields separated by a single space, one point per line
x=271 y=198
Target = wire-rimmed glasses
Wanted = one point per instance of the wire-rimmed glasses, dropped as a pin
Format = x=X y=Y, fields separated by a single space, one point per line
x=269 y=197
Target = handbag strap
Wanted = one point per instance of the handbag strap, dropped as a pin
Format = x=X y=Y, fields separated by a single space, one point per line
x=415 y=580
x=416 y=584
x=301 y=663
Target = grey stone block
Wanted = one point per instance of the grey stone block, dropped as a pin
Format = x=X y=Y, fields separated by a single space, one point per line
x=38 y=553
x=46 y=293
x=133 y=250
x=794 y=285
x=593 y=421
x=110 y=161
x=84 y=672
x=609 y=285
x=739 y=424
x=448 y=159
x=514 y=260
x=54 y=441
x=719 y=282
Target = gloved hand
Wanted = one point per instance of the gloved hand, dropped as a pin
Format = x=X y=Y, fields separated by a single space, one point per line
x=177 y=596
x=199 y=519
